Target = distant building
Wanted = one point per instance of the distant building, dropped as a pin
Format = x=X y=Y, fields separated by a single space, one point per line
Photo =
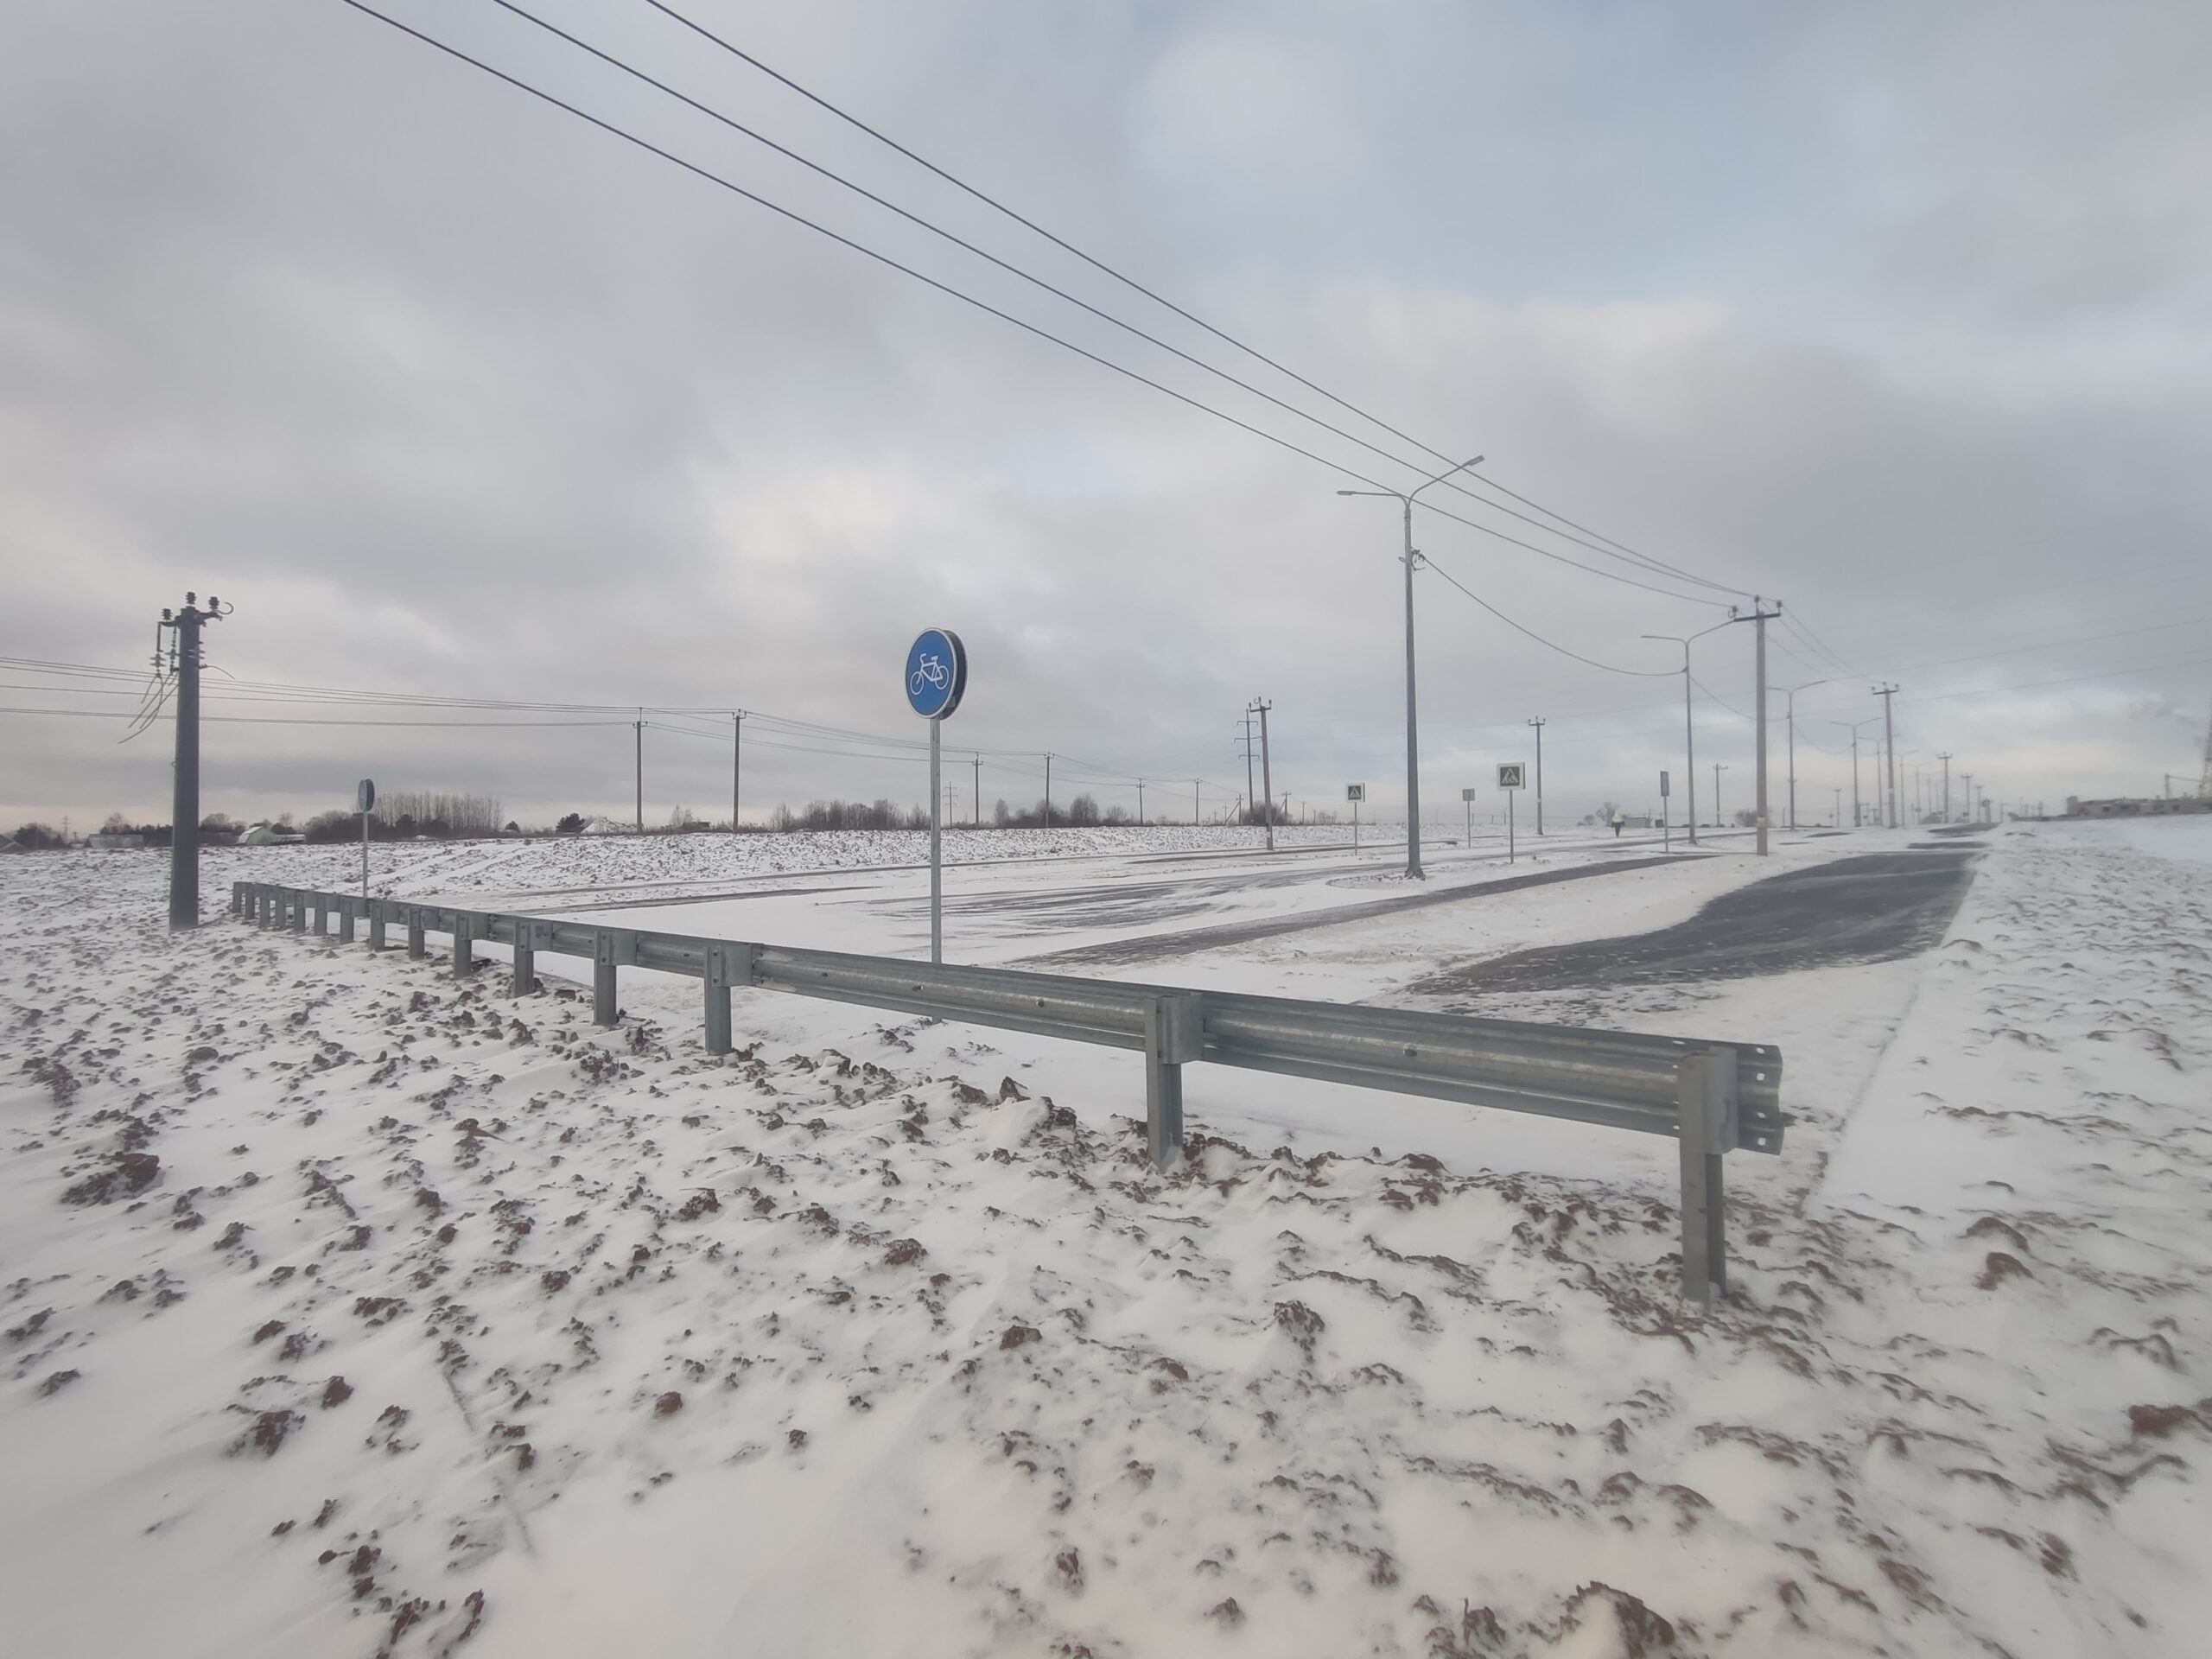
x=107 y=842
x=2133 y=807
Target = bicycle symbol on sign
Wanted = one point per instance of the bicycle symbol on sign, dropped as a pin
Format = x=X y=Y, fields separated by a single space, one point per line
x=932 y=672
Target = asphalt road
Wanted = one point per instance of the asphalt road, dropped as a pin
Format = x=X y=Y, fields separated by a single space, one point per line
x=1871 y=908
x=1152 y=946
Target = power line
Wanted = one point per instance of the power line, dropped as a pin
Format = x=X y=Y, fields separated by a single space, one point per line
x=1624 y=552
x=1730 y=707
x=984 y=306
x=1103 y=315
x=1639 y=673
x=303 y=720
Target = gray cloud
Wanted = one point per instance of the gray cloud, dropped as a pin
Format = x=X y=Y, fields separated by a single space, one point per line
x=1901 y=316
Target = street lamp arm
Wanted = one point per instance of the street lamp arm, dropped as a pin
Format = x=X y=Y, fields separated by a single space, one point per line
x=1441 y=476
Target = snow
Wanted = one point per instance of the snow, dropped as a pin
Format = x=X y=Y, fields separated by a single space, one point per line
x=955 y=1373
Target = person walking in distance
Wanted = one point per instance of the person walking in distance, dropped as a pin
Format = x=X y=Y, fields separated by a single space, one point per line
x=1620 y=820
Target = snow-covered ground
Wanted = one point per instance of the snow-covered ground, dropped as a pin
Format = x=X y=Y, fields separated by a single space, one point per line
x=346 y=1308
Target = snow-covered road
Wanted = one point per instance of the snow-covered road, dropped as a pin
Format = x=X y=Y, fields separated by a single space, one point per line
x=348 y=1309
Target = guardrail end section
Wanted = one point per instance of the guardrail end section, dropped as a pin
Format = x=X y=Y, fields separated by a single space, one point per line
x=1175 y=1034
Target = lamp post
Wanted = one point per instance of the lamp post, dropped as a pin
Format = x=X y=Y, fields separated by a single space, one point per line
x=1718 y=768
x=1690 y=732
x=1789 y=694
x=1405 y=497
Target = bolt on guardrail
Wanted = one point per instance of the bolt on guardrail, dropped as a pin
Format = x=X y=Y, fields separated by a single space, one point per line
x=1713 y=1097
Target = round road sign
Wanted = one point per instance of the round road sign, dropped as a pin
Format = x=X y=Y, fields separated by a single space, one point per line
x=936 y=673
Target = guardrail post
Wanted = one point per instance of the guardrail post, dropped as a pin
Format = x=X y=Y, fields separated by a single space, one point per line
x=1706 y=1103
x=464 y=942
x=727 y=965
x=415 y=949
x=238 y=898
x=319 y=909
x=1175 y=1034
x=603 y=1009
x=299 y=911
x=272 y=906
x=252 y=906
x=376 y=923
x=346 y=921
x=525 y=958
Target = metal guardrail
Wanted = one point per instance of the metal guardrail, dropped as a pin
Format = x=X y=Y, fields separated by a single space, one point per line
x=1712 y=1097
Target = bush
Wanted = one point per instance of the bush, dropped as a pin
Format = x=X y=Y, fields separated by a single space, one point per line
x=571 y=823
x=326 y=827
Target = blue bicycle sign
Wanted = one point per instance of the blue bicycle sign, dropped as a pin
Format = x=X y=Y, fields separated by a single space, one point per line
x=936 y=673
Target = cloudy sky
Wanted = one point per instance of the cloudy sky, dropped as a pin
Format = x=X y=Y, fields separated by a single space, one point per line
x=1901 y=314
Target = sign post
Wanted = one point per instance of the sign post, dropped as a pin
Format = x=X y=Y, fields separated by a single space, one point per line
x=936 y=678
x=1355 y=793
x=1666 y=822
x=365 y=797
x=1467 y=798
x=1509 y=776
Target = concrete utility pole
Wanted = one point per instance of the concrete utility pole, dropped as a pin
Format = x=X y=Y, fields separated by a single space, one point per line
x=1718 y=768
x=1140 y=803
x=1260 y=707
x=1966 y=778
x=1538 y=722
x=1048 y=790
x=639 y=726
x=1946 y=759
x=1838 y=817
x=183 y=626
x=1790 y=693
x=1857 y=817
x=1759 y=618
x=736 y=765
x=976 y=795
x=1194 y=803
x=1249 y=796
x=1413 y=741
x=1889 y=746
x=1689 y=727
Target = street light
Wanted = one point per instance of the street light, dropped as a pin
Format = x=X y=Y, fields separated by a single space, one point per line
x=1718 y=768
x=1790 y=693
x=1412 y=742
x=1689 y=733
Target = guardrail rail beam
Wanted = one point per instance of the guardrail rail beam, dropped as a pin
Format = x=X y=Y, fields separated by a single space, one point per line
x=1713 y=1097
